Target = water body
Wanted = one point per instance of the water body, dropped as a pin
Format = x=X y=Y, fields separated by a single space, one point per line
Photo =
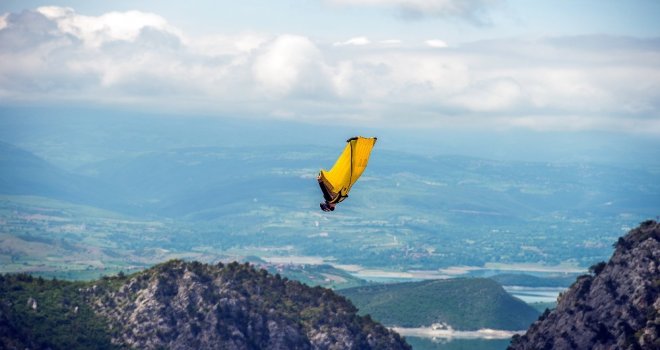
x=449 y=333
x=489 y=269
x=424 y=338
x=419 y=343
x=535 y=294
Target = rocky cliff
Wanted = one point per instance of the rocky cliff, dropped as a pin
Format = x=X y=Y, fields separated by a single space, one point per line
x=616 y=307
x=181 y=305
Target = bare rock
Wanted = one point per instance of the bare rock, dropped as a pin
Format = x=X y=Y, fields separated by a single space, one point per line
x=181 y=305
x=618 y=307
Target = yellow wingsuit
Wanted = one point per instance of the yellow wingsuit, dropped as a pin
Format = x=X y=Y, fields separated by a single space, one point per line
x=337 y=182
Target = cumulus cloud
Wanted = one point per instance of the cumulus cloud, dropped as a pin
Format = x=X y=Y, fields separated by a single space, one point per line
x=290 y=64
x=475 y=11
x=93 y=31
x=571 y=83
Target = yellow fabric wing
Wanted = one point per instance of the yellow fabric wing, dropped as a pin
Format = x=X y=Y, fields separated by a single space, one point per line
x=348 y=167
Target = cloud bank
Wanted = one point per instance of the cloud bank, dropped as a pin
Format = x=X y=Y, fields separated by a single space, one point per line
x=136 y=59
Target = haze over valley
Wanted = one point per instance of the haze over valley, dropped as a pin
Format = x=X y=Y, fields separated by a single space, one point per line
x=148 y=147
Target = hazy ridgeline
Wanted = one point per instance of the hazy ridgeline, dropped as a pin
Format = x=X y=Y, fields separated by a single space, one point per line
x=130 y=189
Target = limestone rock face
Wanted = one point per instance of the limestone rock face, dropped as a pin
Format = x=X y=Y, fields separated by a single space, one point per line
x=617 y=307
x=180 y=305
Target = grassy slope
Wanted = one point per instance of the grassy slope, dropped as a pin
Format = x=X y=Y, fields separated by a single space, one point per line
x=462 y=303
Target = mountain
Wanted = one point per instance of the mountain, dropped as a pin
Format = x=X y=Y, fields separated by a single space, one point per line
x=409 y=211
x=618 y=307
x=466 y=304
x=183 y=305
x=191 y=182
x=525 y=280
x=23 y=173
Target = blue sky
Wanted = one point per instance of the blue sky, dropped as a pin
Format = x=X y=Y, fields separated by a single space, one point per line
x=489 y=64
x=329 y=18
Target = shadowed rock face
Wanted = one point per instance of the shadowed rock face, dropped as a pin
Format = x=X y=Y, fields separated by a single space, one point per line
x=183 y=305
x=618 y=307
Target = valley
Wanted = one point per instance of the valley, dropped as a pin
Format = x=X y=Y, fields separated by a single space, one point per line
x=531 y=226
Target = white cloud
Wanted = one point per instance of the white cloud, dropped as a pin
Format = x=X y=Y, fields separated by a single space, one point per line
x=94 y=31
x=419 y=77
x=220 y=44
x=290 y=64
x=357 y=41
x=3 y=20
x=584 y=83
x=492 y=95
x=436 y=43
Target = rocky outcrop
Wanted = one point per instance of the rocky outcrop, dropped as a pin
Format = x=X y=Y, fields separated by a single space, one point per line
x=616 y=307
x=180 y=305
x=183 y=305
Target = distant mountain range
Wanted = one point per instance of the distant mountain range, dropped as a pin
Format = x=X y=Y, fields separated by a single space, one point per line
x=23 y=173
x=180 y=305
x=617 y=307
x=409 y=211
x=464 y=304
x=84 y=193
x=202 y=183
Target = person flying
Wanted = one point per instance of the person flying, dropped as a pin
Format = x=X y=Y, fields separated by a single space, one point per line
x=338 y=181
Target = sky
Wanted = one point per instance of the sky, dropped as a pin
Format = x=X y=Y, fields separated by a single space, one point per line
x=547 y=65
